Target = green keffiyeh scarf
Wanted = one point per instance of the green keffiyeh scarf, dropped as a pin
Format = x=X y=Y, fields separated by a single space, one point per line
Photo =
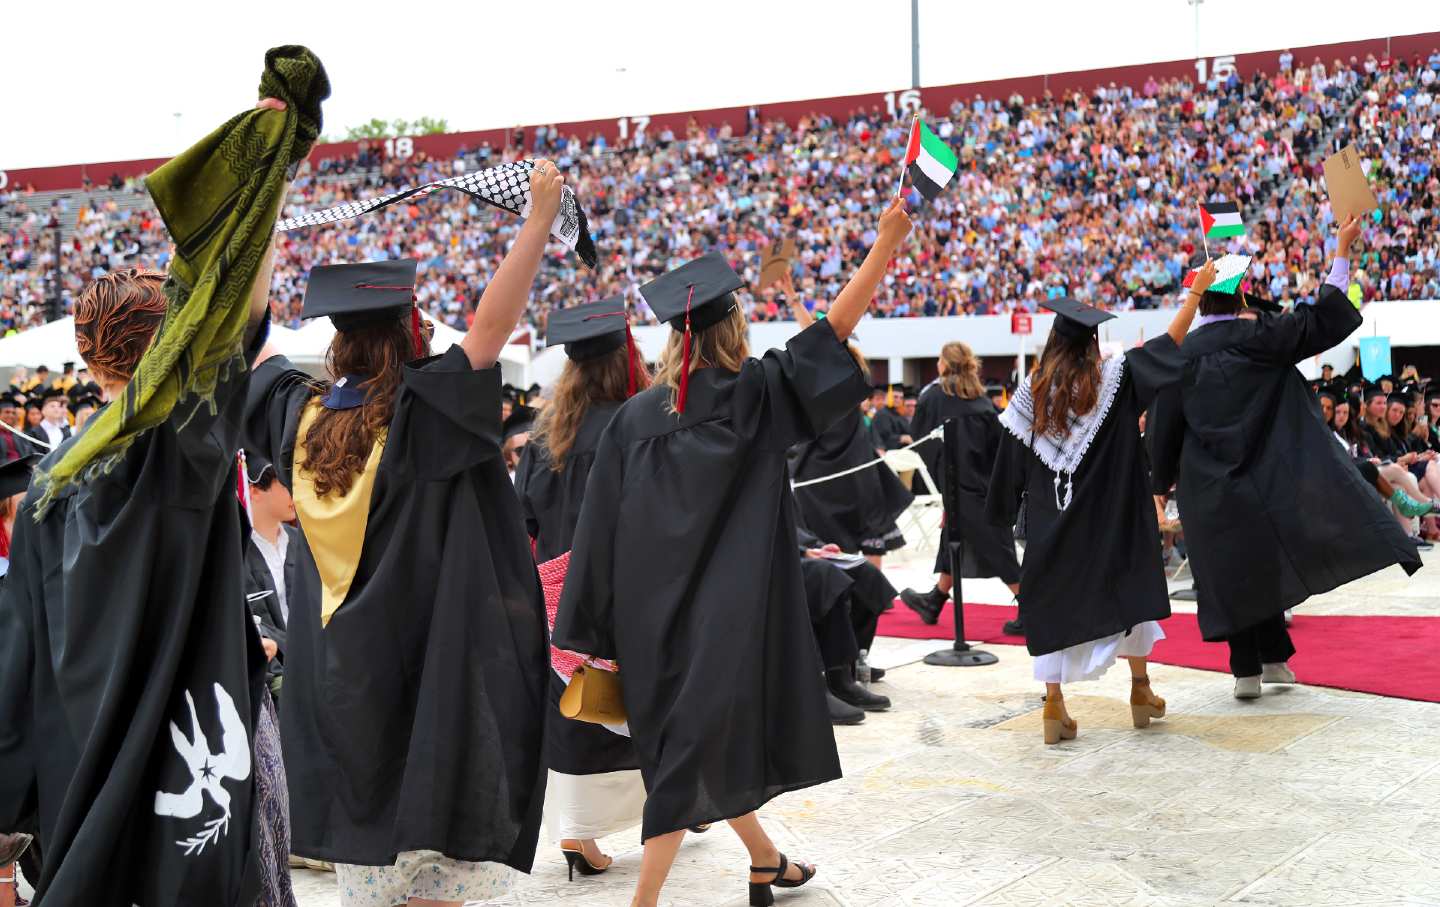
x=220 y=200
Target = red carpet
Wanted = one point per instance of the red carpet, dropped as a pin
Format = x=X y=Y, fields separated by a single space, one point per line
x=1388 y=656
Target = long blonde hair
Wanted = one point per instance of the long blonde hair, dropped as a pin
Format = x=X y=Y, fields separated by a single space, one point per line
x=724 y=345
x=604 y=379
x=960 y=371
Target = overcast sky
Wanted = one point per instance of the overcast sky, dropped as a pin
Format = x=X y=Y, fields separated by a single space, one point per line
x=87 y=82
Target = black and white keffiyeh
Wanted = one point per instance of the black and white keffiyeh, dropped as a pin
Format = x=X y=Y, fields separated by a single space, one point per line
x=506 y=187
x=1063 y=456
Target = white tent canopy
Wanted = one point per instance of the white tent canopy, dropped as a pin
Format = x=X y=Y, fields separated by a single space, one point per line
x=54 y=344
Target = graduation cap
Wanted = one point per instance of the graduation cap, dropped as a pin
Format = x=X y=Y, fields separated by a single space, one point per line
x=1261 y=304
x=697 y=295
x=520 y=420
x=593 y=330
x=355 y=296
x=256 y=466
x=1074 y=319
x=82 y=401
x=52 y=393
x=10 y=398
x=15 y=475
x=519 y=396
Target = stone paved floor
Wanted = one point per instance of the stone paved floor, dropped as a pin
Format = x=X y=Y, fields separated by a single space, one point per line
x=1305 y=797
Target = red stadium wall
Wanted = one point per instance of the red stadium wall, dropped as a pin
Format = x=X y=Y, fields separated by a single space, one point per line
x=938 y=98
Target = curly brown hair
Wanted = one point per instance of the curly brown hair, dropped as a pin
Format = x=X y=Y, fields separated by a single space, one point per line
x=339 y=441
x=116 y=317
x=1065 y=381
x=604 y=379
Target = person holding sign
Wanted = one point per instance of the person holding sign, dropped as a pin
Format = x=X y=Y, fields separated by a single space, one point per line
x=1274 y=511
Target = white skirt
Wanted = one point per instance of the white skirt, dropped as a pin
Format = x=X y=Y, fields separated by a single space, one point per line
x=593 y=806
x=1090 y=660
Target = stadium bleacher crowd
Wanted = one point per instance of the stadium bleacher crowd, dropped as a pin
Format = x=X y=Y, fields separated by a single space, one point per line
x=1091 y=194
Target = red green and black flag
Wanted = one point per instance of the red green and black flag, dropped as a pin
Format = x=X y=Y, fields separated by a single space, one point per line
x=1220 y=220
x=928 y=160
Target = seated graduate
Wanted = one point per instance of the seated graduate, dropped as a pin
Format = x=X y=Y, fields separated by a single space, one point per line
x=1274 y=511
x=415 y=681
x=684 y=568
x=846 y=598
x=1091 y=587
x=962 y=463
x=856 y=511
x=595 y=788
x=133 y=712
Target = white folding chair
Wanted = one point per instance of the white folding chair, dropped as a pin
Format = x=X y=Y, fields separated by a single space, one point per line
x=922 y=516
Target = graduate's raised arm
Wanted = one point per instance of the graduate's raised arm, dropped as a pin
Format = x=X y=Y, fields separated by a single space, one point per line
x=1312 y=328
x=1180 y=324
x=855 y=298
x=504 y=299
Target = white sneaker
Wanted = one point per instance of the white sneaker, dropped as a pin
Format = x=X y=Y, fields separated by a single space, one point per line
x=1247 y=687
x=1279 y=672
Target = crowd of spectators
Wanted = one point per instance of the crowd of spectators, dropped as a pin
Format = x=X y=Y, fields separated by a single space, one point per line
x=1087 y=194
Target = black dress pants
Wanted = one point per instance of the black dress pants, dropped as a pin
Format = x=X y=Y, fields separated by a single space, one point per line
x=1268 y=642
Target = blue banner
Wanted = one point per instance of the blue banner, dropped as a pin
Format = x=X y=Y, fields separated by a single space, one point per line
x=1374 y=357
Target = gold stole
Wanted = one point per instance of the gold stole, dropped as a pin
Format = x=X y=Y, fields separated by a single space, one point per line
x=334 y=525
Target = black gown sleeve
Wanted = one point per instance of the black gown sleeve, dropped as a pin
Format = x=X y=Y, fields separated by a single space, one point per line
x=447 y=416
x=585 y=620
x=1007 y=481
x=18 y=773
x=523 y=471
x=278 y=392
x=1164 y=439
x=810 y=384
x=1152 y=367
x=926 y=415
x=1308 y=330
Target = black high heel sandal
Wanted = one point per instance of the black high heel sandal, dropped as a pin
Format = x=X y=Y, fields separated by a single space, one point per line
x=760 y=894
x=701 y=828
x=577 y=860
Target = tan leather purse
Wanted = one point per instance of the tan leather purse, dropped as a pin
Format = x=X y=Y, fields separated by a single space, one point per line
x=594 y=696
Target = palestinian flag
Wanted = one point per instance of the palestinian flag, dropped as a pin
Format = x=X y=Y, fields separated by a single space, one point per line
x=929 y=160
x=1219 y=220
x=1229 y=271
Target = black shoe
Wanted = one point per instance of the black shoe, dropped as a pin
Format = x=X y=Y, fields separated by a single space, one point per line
x=876 y=674
x=842 y=713
x=12 y=847
x=1014 y=627
x=842 y=685
x=927 y=605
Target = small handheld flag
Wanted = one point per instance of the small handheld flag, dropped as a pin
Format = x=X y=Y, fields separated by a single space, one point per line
x=1229 y=271
x=1220 y=220
x=928 y=160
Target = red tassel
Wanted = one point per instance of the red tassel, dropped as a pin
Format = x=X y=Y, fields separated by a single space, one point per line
x=630 y=353
x=685 y=359
x=415 y=332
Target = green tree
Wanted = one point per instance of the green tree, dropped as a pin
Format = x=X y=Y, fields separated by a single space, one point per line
x=380 y=129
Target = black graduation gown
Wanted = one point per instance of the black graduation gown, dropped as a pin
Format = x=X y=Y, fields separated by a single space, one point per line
x=684 y=569
x=858 y=511
x=550 y=502
x=414 y=720
x=963 y=462
x=1093 y=569
x=122 y=617
x=1274 y=510
x=888 y=427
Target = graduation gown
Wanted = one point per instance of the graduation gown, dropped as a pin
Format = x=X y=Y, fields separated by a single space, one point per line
x=888 y=427
x=684 y=569
x=962 y=464
x=1274 y=510
x=550 y=502
x=858 y=511
x=131 y=675
x=1092 y=569
x=414 y=719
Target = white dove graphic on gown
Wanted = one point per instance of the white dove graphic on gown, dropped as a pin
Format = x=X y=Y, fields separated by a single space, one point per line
x=208 y=769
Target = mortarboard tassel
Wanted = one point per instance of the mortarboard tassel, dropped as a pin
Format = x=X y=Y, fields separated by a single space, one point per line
x=415 y=332
x=685 y=359
x=630 y=354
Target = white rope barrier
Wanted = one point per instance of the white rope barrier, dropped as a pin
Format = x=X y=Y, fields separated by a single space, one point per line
x=15 y=431
x=939 y=432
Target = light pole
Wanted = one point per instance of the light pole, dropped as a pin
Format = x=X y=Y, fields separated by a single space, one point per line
x=1196 y=5
x=914 y=43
